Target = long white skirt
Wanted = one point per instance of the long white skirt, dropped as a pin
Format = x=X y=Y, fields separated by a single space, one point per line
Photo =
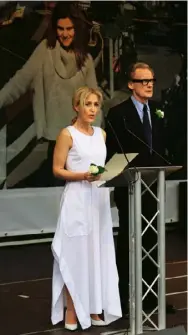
x=84 y=256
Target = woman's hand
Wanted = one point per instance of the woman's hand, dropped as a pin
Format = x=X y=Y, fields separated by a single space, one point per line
x=90 y=177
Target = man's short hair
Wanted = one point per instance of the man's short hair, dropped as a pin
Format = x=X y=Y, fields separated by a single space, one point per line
x=138 y=65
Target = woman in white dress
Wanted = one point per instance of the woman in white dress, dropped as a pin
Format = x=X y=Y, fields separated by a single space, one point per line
x=84 y=270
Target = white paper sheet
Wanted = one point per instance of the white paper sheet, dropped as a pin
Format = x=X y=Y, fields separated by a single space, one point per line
x=115 y=166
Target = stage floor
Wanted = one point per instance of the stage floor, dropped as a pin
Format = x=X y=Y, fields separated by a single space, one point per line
x=25 y=289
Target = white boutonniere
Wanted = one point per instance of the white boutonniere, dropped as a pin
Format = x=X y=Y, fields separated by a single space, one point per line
x=159 y=113
x=96 y=169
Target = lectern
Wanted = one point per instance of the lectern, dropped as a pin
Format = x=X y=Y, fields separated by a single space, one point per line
x=136 y=179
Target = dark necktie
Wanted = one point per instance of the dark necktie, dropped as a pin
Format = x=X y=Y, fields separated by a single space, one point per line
x=147 y=126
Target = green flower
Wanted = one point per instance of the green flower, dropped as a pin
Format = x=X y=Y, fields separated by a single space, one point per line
x=96 y=169
x=159 y=113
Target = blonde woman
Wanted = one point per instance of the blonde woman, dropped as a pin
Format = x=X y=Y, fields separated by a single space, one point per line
x=84 y=257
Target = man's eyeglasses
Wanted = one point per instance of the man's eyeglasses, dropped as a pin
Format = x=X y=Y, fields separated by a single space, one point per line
x=144 y=82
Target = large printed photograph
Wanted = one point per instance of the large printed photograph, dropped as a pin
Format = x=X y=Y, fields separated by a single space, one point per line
x=44 y=48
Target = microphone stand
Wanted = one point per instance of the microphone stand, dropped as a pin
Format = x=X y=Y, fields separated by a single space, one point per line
x=151 y=149
x=118 y=141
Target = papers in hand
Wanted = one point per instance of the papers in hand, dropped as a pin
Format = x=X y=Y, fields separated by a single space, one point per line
x=115 y=166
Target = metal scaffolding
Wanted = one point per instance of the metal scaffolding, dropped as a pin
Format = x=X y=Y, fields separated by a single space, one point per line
x=138 y=317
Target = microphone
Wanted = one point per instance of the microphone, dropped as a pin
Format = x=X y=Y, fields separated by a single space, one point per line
x=150 y=148
x=118 y=141
x=121 y=147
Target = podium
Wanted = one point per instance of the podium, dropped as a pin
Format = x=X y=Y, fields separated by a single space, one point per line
x=136 y=179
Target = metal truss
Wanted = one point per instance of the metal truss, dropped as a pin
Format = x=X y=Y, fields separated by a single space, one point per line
x=139 y=318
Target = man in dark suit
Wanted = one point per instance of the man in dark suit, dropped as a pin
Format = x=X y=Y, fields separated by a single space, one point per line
x=137 y=114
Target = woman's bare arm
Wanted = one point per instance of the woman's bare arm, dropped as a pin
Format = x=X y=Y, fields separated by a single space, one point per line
x=63 y=145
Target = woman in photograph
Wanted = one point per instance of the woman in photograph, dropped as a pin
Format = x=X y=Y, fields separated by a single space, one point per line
x=58 y=66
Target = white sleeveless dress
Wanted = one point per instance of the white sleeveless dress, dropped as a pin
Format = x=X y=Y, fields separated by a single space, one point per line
x=83 y=246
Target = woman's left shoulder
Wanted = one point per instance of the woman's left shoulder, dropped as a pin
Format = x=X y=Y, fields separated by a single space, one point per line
x=104 y=133
x=100 y=130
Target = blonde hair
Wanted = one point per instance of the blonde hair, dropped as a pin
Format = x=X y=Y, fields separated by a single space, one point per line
x=138 y=65
x=81 y=96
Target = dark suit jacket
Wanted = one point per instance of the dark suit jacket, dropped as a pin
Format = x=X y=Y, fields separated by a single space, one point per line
x=127 y=111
